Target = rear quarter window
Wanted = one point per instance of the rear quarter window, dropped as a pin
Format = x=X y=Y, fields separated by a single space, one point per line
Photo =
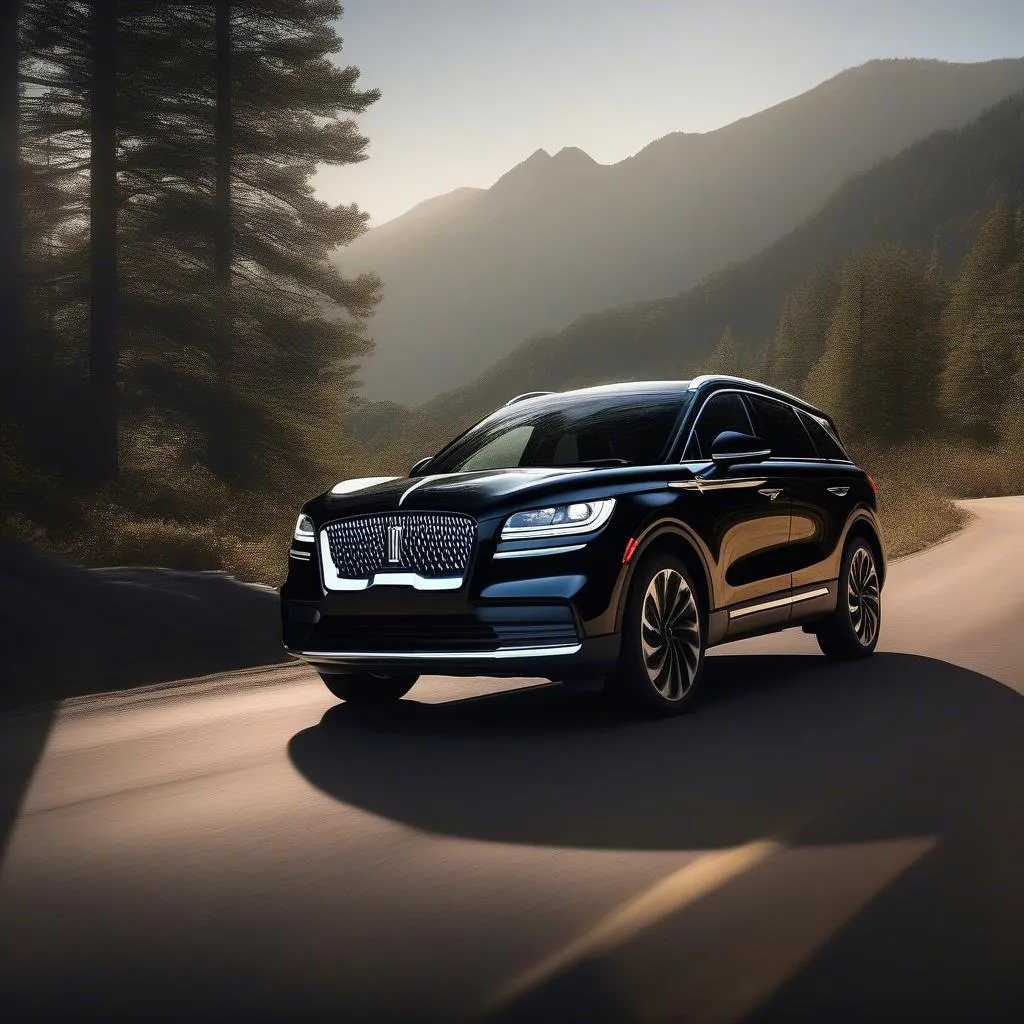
x=780 y=426
x=828 y=447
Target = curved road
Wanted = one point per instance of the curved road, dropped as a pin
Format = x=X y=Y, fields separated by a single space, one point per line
x=814 y=843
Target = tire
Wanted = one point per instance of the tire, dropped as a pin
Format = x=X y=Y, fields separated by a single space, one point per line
x=664 y=633
x=851 y=632
x=366 y=690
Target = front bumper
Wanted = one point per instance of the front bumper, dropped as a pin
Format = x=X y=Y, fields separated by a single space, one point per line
x=516 y=612
x=596 y=656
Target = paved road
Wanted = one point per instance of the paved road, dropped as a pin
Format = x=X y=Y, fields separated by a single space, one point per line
x=815 y=843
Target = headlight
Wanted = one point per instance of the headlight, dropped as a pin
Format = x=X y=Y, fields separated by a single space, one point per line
x=304 y=529
x=558 y=520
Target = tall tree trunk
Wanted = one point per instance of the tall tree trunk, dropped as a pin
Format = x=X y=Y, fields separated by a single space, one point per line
x=223 y=446
x=222 y=230
x=103 y=341
x=11 y=333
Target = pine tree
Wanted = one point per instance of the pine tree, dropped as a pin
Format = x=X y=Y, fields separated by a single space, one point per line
x=879 y=372
x=802 y=331
x=982 y=329
x=255 y=395
x=1011 y=420
x=103 y=203
x=758 y=368
x=726 y=358
x=11 y=325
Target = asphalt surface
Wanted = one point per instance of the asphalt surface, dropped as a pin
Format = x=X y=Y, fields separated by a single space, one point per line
x=813 y=843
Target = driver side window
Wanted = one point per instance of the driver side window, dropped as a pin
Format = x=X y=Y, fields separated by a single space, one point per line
x=725 y=411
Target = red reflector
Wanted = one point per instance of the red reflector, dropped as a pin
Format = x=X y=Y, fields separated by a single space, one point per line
x=628 y=554
x=871 y=481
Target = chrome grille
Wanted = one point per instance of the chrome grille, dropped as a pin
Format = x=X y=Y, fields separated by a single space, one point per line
x=436 y=545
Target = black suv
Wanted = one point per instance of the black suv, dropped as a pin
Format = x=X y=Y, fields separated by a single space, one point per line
x=607 y=534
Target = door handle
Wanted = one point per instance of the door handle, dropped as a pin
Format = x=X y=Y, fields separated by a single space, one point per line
x=771 y=493
x=839 y=491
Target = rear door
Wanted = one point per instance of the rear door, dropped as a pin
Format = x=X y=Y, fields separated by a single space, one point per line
x=835 y=489
x=816 y=512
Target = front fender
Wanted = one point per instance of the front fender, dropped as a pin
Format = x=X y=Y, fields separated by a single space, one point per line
x=655 y=532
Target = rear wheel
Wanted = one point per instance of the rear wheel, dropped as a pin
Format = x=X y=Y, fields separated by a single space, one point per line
x=367 y=689
x=663 y=639
x=852 y=630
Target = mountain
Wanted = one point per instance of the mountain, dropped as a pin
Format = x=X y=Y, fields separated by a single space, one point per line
x=468 y=275
x=929 y=198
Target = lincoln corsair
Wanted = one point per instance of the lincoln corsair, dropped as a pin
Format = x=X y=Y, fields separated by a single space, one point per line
x=607 y=535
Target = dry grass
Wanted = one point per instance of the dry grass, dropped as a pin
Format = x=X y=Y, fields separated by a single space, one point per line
x=916 y=518
x=917 y=485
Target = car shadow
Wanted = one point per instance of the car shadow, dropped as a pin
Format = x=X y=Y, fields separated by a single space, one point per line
x=790 y=746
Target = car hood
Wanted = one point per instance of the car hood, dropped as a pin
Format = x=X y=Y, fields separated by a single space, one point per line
x=475 y=493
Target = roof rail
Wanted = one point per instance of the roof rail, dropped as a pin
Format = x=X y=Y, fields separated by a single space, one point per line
x=704 y=378
x=527 y=394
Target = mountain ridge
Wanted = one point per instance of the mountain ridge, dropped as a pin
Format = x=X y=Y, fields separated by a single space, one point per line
x=931 y=196
x=559 y=235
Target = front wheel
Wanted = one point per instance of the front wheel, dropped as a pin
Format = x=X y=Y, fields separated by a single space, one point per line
x=366 y=689
x=663 y=639
x=852 y=630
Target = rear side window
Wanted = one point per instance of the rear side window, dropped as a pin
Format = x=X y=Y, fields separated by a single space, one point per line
x=780 y=426
x=720 y=412
x=826 y=444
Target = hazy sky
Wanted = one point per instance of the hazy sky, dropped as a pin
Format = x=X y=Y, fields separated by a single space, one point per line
x=472 y=87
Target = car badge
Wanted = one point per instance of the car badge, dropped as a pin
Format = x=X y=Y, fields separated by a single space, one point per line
x=394 y=545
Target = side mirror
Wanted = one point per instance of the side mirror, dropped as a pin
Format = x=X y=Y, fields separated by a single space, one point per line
x=731 y=446
x=418 y=467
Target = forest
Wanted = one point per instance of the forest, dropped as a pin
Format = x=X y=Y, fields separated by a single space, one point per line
x=923 y=373
x=176 y=341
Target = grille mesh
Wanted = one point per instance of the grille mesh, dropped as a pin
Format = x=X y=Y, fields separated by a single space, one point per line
x=435 y=545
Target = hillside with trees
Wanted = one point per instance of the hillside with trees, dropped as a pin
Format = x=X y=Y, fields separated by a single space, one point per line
x=929 y=200
x=180 y=340
x=899 y=307
x=469 y=275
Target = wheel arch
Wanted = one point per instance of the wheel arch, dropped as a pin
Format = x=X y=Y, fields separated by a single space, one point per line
x=672 y=537
x=865 y=526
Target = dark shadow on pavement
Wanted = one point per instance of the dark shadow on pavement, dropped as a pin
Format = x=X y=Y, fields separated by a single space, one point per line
x=22 y=741
x=819 y=754
x=67 y=631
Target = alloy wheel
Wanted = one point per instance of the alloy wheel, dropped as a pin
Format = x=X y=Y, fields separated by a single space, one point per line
x=670 y=634
x=863 y=596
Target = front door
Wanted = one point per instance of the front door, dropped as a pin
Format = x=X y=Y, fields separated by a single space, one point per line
x=745 y=521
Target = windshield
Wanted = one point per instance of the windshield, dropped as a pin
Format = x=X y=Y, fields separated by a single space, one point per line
x=621 y=429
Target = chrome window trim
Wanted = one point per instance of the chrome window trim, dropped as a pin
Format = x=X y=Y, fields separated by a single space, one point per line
x=705 y=378
x=828 y=428
x=776 y=398
x=704 y=405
